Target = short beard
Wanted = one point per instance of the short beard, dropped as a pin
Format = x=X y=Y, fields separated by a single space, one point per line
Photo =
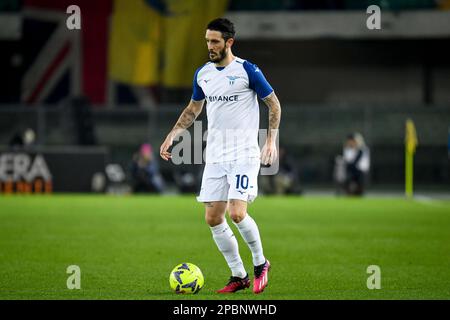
x=222 y=55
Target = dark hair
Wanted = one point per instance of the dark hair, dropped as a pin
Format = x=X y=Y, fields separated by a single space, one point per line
x=223 y=25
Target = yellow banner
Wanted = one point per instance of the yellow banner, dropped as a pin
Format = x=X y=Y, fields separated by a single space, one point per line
x=444 y=4
x=184 y=33
x=160 y=45
x=135 y=43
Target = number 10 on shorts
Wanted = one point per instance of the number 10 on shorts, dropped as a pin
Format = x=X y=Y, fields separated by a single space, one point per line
x=241 y=181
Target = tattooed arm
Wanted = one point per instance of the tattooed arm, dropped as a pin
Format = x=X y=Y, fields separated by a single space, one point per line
x=186 y=119
x=269 y=151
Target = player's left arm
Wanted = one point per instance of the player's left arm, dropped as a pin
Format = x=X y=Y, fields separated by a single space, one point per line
x=265 y=92
x=269 y=151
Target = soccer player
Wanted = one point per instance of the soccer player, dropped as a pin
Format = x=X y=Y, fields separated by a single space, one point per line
x=230 y=86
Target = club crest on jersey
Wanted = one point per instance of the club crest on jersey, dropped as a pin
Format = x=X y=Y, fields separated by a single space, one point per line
x=232 y=79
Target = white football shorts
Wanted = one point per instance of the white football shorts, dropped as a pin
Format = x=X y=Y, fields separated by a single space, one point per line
x=230 y=180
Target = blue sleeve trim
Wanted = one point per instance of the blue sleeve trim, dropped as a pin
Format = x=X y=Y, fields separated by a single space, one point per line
x=197 y=92
x=257 y=81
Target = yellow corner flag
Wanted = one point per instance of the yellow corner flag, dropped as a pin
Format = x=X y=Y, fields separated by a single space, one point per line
x=411 y=143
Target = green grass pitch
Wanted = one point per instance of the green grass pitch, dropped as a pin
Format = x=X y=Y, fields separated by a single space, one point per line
x=319 y=247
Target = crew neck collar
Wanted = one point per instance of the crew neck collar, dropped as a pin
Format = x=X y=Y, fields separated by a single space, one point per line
x=221 y=68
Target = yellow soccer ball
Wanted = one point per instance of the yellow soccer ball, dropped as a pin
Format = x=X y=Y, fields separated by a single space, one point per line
x=186 y=278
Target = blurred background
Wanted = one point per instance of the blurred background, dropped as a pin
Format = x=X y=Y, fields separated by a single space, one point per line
x=85 y=110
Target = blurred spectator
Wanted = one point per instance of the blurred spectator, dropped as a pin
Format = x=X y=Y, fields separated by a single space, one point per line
x=187 y=181
x=188 y=178
x=286 y=181
x=339 y=173
x=29 y=138
x=16 y=141
x=145 y=171
x=23 y=139
x=356 y=156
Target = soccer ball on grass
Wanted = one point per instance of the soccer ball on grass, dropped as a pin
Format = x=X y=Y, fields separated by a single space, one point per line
x=186 y=278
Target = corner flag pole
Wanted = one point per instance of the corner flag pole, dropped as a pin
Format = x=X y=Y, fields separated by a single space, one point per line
x=410 y=148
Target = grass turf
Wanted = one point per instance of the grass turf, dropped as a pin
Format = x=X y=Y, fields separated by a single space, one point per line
x=320 y=248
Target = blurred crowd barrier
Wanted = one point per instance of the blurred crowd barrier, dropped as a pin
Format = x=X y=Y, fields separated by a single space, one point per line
x=311 y=135
x=334 y=4
x=41 y=169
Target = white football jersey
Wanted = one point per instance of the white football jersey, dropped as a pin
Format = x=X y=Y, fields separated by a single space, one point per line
x=232 y=108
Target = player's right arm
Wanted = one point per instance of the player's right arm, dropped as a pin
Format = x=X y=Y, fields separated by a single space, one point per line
x=186 y=119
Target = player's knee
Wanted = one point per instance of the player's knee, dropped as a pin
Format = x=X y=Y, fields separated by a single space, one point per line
x=213 y=220
x=237 y=215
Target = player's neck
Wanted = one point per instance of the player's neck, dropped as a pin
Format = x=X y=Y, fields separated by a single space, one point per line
x=228 y=59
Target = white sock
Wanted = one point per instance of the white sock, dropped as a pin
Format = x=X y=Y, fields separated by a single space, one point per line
x=249 y=231
x=228 y=245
